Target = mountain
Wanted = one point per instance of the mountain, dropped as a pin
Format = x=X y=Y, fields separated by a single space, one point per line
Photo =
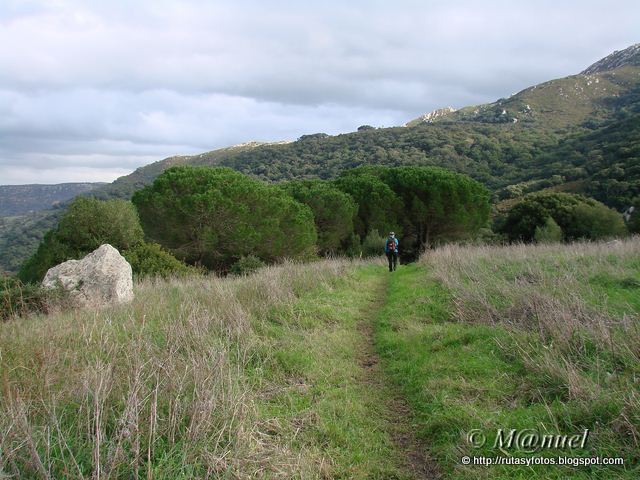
x=619 y=58
x=495 y=142
x=431 y=116
x=21 y=199
x=580 y=133
x=566 y=102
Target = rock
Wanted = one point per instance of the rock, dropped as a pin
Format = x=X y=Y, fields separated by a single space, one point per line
x=100 y=279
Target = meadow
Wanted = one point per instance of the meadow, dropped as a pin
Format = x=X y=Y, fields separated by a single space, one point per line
x=335 y=369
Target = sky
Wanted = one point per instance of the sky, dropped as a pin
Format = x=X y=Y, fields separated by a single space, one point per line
x=90 y=90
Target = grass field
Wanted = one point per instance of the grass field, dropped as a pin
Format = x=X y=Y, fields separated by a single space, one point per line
x=335 y=369
x=541 y=338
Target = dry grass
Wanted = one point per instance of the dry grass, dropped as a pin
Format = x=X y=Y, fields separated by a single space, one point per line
x=154 y=389
x=573 y=313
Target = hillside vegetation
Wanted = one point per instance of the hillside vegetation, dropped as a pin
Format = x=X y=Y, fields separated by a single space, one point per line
x=578 y=133
x=21 y=199
x=334 y=369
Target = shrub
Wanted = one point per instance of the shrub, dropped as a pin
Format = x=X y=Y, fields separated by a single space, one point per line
x=17 y=298
x=579 y=217
x=150 y=259
x=549 y=233
x=87 y=224
x=247 y=265
x=373 y=244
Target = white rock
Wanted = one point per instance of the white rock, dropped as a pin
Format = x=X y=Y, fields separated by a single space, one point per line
x=100 y=279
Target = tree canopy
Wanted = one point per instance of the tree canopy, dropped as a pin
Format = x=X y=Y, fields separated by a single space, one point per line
x=430 y=205
x=333 y=211
x=215 y=216
x=578 y=217
x=87 y=224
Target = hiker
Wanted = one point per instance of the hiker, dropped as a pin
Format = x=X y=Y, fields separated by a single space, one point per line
x=391 y=249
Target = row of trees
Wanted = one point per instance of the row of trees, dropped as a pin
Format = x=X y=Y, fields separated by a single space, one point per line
x=217 y=218
x=214 y=217
x=224 y=221
x=560 y=216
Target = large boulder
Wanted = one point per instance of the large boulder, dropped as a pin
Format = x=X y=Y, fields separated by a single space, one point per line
x=101 y=278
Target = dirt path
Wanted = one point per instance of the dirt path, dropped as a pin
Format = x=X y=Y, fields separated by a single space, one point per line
x=416 y=459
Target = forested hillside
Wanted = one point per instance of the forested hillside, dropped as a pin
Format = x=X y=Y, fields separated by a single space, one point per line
x=21 y=199
x=580 y=133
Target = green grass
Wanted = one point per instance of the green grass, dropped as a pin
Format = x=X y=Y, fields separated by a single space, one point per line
x=460 y=376
x=334 y=413
x=270 y=375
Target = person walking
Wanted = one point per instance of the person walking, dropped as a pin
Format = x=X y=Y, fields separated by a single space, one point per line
x=391 y=249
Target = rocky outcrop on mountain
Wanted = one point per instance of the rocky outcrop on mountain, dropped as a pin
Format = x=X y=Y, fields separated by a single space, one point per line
x=431 y=116
x=100 y=279
x=619 y=58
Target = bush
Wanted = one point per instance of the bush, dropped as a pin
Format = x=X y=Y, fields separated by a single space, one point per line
x=247 y=265
x=17 y=298
x=87 y=224
x=549 y=233
x=150 y=259
x=373 y=244
x=579 y=217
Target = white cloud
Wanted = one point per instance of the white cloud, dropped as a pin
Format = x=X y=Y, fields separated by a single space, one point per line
x=148 y=79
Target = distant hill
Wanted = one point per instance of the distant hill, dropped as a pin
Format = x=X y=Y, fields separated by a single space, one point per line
x=582 y=131
x=495 y=143
x=22 y=199
x=619 y=58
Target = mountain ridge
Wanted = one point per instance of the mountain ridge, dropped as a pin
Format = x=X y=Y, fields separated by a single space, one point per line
x=617 y=59
x=533 y=139
x=22 y=199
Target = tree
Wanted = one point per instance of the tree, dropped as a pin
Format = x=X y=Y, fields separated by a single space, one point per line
x=214 y=216
x=430 y=204
x=333 y=212
x=87 y=224
x=439 y=205
x=579 y=217
x=634 y=219
x=379 y=208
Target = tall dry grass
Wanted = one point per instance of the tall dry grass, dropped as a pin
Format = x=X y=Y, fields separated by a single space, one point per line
x=573 y=313
x=158 y=388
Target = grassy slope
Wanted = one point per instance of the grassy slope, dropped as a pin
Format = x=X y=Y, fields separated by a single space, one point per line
x=475 y=354
x=268 y=376
x=257 y=377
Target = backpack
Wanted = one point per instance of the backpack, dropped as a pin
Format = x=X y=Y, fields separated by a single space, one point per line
x=392 y=244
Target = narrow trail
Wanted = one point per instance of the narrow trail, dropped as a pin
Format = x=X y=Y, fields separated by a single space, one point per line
x=417 y=460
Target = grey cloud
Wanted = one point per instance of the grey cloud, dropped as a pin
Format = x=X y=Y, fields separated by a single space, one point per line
x=137 y=80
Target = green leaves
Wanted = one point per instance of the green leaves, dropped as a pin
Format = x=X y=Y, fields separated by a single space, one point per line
x=426 y=205
x=333 y=211
x=215 y=216
x=87 y=224
x=578 y=217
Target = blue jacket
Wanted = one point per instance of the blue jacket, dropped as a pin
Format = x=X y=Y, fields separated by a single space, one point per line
x=387 y=248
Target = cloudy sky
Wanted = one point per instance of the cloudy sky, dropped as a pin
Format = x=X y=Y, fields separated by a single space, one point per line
x=90 y=89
